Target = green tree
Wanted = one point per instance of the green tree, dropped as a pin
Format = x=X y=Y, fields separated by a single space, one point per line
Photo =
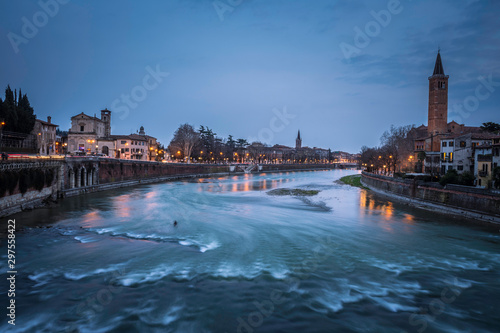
x=241 y=143
x=26 y=117
x=9 y=111
x=466 y=178
x=496 y=177
x=17 y=112
x=491 y=127
x=207 y=141
x=451 y=177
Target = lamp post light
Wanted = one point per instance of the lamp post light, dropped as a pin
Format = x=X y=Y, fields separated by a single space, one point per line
x=2 y=124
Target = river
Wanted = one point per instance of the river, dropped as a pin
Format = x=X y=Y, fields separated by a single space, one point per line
x=240 y=260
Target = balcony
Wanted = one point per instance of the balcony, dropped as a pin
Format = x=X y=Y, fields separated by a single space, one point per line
x=483 y=174
x=484 y=158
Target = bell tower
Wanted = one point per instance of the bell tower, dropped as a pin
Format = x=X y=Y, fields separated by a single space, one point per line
x=106 y=118
x=298 y=141
x=438 y=100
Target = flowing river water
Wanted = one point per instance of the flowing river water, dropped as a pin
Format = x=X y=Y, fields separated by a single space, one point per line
x=241 y=260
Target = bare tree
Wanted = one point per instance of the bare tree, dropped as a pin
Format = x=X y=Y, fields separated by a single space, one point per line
x=397 y=144
x=185 y=139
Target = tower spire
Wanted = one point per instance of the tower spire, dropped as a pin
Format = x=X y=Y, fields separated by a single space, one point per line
x=298 y=141
x=438 y=67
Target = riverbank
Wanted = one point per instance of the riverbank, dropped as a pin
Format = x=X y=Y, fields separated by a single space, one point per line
x=353 y=180
x=451 y=200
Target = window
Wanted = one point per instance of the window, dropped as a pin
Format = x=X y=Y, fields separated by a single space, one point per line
x=462 y=144
x=460 y=167
x=451 y=143
x=123 y=142
x=443 y=156
x=126 y=149
x=444 y=143
x=485 y=167
x=82 y=128
x=451 y=157
x=474 y=144
x=450 y=167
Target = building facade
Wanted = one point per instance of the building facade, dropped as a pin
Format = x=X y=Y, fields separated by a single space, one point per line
x=86 y=131
x=91 y=135
x=45 y=133
x=457 y=151
x=483 y=161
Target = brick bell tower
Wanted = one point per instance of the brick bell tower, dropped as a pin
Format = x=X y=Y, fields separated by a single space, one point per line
x=438 y=100
x=106 y=118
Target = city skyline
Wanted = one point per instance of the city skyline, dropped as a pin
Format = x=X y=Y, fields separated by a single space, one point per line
x=236 y=68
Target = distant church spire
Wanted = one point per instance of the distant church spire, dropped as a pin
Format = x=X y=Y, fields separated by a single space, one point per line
x=438 y=67
x=298 y=141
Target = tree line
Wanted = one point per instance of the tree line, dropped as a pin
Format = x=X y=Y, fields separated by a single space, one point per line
x=16 y=112
x=204 y=145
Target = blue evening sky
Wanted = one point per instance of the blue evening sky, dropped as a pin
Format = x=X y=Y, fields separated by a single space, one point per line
x=256 y=69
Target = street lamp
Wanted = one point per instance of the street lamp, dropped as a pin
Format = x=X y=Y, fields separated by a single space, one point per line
x=2 y=124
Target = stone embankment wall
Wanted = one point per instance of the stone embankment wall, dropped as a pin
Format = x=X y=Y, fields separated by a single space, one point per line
x=27 y=185
x=112 y=170
x=452 y=199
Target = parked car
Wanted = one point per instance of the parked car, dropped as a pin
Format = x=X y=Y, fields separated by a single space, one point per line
x=78 y=153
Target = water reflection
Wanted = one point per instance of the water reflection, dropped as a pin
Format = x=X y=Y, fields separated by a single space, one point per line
x=370 y=206
x=122 y=205
x=91 y=218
